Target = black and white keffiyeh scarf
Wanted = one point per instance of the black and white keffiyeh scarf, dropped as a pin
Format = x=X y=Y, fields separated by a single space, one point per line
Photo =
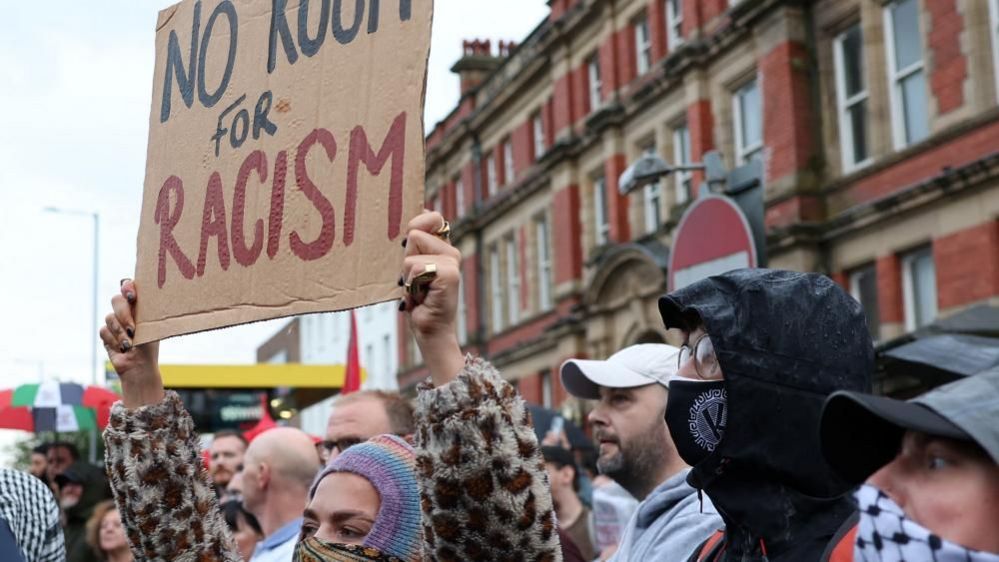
x=33 y=516
x=885 y=534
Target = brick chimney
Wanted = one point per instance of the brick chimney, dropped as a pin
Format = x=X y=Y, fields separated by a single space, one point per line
x=478 y=62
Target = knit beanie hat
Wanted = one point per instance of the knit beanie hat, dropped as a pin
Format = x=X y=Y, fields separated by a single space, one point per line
x=389 y=463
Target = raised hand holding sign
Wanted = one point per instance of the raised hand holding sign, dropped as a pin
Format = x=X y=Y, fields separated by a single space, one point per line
x=285 y=152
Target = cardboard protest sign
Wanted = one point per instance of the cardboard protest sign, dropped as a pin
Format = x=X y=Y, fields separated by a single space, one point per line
x=285 y=159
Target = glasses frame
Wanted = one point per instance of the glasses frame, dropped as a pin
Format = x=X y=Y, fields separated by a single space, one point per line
x=690 y=351
x=325 y=447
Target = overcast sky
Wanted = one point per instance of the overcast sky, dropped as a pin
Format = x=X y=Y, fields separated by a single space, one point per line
x=76 y=86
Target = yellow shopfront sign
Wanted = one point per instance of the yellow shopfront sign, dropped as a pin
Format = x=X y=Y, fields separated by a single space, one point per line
x=287 y=375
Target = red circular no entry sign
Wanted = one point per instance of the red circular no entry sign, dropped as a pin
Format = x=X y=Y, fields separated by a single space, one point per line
x=713 y=237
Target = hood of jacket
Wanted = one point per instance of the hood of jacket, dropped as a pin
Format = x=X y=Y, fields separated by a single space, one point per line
x=95 y=490
x=785 y=341
x=664 y=498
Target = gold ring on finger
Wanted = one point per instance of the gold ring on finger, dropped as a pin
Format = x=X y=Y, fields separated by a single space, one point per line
x=420 y=281
x=444 y=232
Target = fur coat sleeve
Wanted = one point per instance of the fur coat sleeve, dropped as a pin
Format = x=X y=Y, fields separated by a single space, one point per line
x=166 y=501
x=483 y=483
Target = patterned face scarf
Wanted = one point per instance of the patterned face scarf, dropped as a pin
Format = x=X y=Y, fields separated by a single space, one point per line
x=885 y=534
x=315 y=550
x=33 y=516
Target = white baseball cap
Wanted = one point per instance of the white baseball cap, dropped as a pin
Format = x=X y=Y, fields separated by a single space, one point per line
x=638 y=365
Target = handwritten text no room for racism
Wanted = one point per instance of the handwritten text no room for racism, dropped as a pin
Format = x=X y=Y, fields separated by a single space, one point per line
x=202 y=73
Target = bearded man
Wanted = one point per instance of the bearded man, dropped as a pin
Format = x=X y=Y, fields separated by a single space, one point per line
x=636 y=450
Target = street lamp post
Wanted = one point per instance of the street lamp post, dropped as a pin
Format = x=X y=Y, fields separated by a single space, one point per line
x=650 y=167
x=744 y=186
x=95 y=375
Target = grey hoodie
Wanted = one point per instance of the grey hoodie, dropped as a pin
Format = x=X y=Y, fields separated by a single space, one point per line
x=668 y=525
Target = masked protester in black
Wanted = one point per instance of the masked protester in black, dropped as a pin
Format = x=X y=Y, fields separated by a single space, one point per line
x=782 y=342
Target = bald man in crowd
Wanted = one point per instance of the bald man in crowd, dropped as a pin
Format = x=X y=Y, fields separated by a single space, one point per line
x=277 y=471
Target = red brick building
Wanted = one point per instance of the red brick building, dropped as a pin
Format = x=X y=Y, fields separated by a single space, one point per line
x=877 y=123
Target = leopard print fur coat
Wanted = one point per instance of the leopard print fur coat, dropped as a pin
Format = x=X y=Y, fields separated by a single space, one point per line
x=483 y=484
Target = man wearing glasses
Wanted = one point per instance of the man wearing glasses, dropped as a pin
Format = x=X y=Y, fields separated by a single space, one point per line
x=362 y=415
x=636 y=450
x=762 y=350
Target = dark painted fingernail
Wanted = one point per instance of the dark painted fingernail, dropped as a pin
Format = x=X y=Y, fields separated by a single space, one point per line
x=130 y=296
x=130 y=332
x=404 y=240
x=401 y=282
x=126 y=346
x=402 y=306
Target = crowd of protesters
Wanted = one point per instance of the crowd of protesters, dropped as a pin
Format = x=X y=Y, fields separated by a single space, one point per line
x=755 y=440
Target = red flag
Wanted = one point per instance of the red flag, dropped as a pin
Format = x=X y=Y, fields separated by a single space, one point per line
x=352 y=378
x=266 y=421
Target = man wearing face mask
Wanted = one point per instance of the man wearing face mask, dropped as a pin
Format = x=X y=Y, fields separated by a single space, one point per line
x=762 y=350
x=636 y=450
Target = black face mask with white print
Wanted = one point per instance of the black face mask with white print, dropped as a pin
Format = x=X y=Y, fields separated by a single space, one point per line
x=696 y=414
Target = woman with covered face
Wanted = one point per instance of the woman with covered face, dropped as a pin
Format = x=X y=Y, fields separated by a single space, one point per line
x=472 y=488
x=931 y=467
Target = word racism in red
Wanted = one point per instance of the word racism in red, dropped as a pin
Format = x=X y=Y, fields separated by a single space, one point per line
x=233 y=234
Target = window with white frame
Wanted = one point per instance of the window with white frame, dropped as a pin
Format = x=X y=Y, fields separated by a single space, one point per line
x=601 y=222
x=652 y=196
x=321 y=333
x=439 y=201
x=415 y=355
x=864 y=288
x=851 y=97
x=497 y=172
x=496 y=290
x=546 y=389
x=747 y=115
x=643 y=45
x=462 y=320
x=674 y=23
x=369 y=360
x=459 y=195
x=596 y=86
x=994 y=33
x=543 y=241
x=906 y=73
x=508 y=172
x=684 y=180
x=491 y=181
x=538 y=130
x=387 y=354
x=512 y=280
x=919 y=288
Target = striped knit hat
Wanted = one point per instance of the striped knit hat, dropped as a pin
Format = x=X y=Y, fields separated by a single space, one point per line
x=389 y=463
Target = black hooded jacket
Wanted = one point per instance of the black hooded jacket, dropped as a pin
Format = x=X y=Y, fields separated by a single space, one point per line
x=784 y=341
x=95 y=490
